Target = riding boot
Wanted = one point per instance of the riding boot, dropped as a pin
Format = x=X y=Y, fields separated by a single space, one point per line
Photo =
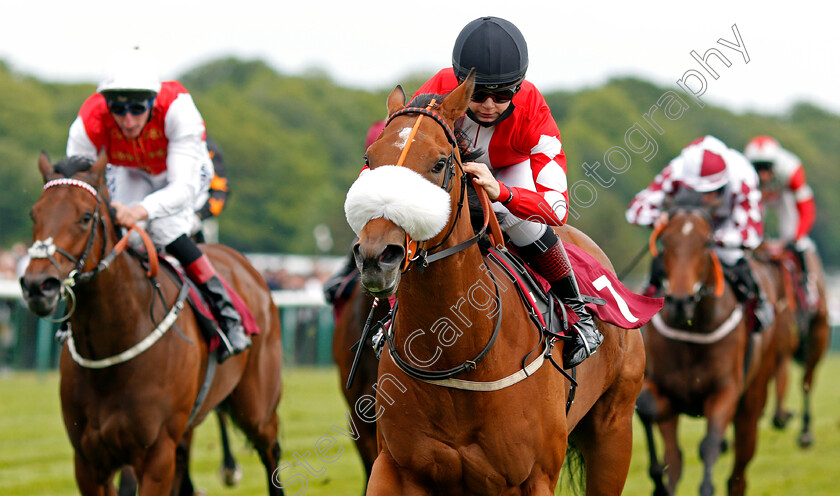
x=657 y=275
x=201 y=272
x=748 y=292
x=553 y=264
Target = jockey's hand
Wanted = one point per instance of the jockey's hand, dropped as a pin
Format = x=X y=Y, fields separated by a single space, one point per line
x=483 y=178
x=661 y=220
x=128 y=216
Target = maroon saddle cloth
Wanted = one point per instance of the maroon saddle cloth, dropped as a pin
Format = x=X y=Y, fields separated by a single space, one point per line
x=206 y=320
x=622 y=307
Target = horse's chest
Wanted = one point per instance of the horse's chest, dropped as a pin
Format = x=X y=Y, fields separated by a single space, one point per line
x=114 y=434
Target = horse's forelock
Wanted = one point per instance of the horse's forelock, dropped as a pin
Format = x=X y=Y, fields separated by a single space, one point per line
x=70 y=166
x=468 y=153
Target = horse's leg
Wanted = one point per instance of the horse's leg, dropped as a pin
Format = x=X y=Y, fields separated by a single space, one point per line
x=230 y=471
x=648 y=411
x=157 y=470
x=248 y=411
x=385 y=479
x=182 y=484
x=746 y=428
x=816 y=344
x=605 y=438
x=719 y=411
x=671 y=452
x=781 y=416
x=90 y=481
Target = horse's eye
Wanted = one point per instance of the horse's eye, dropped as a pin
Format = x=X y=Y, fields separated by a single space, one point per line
x=439 y=166
x=367 y=162
x=86 y=218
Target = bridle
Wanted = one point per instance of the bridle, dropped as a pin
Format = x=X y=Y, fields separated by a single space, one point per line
x=417 y=252
x=424 y=256
x=717 y=268
x=47 y=248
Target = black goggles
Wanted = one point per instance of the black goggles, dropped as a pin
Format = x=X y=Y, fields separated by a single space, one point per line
x=133 y=108
x=502 y=95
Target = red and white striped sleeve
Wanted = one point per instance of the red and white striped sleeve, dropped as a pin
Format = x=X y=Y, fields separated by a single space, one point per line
x=647 y=204
x=536 y=134
x=805 y=204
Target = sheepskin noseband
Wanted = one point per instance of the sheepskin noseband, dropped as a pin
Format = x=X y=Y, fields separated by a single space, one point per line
x=400 y=195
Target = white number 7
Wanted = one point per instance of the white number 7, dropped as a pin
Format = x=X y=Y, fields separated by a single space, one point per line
x=603 y=282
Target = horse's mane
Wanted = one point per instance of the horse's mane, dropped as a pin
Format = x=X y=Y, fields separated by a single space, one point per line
x=70 y=166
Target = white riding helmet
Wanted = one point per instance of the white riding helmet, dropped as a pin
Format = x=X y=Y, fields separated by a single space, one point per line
x=762 y=149
x=131 y=71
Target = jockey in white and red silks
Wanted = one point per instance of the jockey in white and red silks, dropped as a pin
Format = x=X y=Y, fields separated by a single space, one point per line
x=727 y=182
x=158 y=170
x=785 y=189
x=523 y=168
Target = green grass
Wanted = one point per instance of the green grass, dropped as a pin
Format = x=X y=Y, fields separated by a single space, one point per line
x=36 y=458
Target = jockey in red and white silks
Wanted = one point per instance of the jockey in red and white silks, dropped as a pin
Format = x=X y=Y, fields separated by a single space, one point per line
x=167 y=169
x=784 y=188
x=708 y=165
x=525 y=155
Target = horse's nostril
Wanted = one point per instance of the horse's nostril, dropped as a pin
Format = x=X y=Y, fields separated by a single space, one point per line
x=391 y=255
x=50 y=285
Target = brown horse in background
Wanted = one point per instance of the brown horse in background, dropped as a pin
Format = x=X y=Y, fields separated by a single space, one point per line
x=702 y=360
x=347 y=333
x=137 y=411
x=439 y=439
x=806 y=337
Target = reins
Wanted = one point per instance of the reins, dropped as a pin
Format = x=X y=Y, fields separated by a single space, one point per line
x=47 y=248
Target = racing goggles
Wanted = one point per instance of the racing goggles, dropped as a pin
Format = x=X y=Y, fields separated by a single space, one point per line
x=499 y=95
x=133 y=108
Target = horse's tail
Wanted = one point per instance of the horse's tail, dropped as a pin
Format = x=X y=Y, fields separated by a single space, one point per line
x=573 y=472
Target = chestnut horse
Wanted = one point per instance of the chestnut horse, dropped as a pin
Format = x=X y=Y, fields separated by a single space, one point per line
x=122 y=405
x=439 y=434
x=809 y=339
x=701 y=358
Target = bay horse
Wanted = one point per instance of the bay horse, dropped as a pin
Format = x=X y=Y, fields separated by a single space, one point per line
x=122 y=405
x=808 y=341
x=703 y=360
x=434 y=436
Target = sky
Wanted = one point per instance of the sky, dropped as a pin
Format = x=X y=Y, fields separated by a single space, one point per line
x=791 y=46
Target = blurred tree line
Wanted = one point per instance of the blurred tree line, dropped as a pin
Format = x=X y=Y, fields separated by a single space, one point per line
x=293 y=145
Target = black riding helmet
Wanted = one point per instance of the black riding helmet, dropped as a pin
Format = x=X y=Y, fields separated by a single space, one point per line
x=495 y=48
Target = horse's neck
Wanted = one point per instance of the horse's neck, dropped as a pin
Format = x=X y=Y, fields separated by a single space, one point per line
x=113 y=309
x=447 y=309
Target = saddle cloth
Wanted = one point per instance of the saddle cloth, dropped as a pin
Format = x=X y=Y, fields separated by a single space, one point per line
x=206 y=320
x=623 y=307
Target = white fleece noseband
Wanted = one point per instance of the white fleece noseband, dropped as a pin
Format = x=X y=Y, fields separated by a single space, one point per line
x=400 y=195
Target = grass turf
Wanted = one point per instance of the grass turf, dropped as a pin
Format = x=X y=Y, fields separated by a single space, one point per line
x=36 y=457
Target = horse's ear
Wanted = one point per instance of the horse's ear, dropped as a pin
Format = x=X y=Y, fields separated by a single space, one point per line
x=456 y=102
x=396 y=100
x=98 y=167
x=45 y=166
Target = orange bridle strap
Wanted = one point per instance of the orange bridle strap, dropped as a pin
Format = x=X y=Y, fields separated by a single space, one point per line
x=718 y=271
x=411 y=246
x=413 y=133
x=652 y=241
